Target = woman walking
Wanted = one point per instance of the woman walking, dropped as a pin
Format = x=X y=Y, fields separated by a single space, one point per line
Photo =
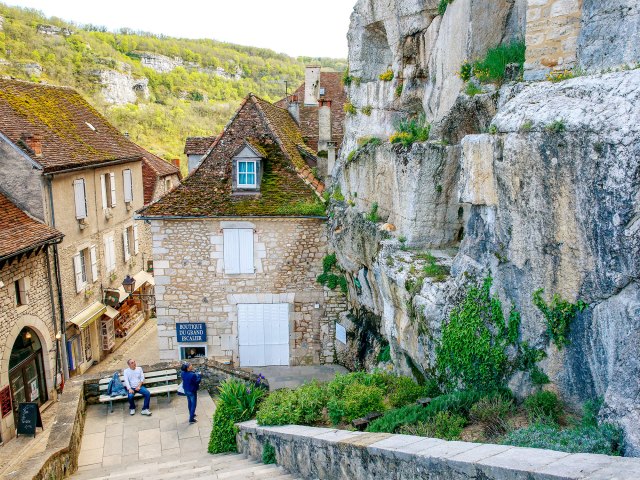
x=191 y=384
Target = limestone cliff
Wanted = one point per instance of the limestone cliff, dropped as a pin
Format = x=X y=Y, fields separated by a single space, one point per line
x=549 y=199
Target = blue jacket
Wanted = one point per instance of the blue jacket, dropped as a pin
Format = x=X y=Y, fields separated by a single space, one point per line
x=115 y=387
x=191 y=382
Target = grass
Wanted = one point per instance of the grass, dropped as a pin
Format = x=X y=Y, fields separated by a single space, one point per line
x=557 y=126
x=472 y=89
x=491 y=68
x=411 y=130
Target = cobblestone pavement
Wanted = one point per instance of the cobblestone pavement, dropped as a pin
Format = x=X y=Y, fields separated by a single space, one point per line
x=143 y=346
x=292 y=377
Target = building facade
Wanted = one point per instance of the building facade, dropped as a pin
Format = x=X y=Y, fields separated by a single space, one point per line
x=30 y=330
x=74 y=171
x=195 y=149
x=238 y=247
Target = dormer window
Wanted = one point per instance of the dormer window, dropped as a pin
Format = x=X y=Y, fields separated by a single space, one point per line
x=247 y=173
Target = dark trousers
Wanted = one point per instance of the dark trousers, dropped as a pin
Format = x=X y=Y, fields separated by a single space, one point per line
x=192 y=402
x=145 y=393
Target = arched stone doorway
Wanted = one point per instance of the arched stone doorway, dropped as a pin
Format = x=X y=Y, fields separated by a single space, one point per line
x=27 y=374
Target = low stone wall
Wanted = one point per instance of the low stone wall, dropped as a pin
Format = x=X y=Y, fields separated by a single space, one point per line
x=339 y=454
x=60 y=458
x=213 y=373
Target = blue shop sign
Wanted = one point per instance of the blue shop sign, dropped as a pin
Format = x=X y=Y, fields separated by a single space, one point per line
x=191 y=332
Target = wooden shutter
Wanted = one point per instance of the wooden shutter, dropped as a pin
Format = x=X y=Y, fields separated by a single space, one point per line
x=81 y=199
x=135 y=239
x=125 y=244
x=231 y=251
x=112 y=184
x=77 y=268
x=94 y=263
x=103 y=189
x=112 y=253
x=128 y=186
x=245 y=247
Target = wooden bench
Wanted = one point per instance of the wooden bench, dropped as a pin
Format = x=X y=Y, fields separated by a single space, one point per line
x=158 y=382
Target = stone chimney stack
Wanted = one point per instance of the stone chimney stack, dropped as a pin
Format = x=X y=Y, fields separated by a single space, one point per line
x=331 y=157
x=324 y=124
x=293 y=105
x=33 y=143
x=312 y=85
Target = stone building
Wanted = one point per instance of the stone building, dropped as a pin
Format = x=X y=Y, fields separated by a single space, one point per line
x=29 y=324
x=158 y=176
x=238 y=246
x=195 y=149
x=318 y=108
x=66 y=166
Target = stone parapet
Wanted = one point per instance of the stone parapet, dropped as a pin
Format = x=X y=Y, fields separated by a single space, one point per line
x=339 y=454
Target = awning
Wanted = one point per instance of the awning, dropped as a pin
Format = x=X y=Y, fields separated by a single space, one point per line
x=143 y=277
x=111 y=312
x=123 y=294
x=89 y=315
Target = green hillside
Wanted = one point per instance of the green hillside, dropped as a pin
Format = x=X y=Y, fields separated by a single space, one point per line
x=190 y=100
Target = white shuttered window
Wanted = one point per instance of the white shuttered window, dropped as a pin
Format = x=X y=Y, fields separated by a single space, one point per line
x=94 y=263
x=109 y=254
x=108 y=189
x=112 y=184
x=103 y=189
x=125 y=243
x=238 y=250
x=78 y=271
x=80 y=198
x=135 y=239
x=128 y=186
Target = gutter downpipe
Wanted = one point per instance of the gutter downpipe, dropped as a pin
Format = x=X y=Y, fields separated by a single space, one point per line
x=56 y=261
x=53 y=315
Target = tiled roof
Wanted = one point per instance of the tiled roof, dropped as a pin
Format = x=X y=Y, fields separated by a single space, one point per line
x=288 y=185
x=73 y=133
x=153 y=169
x=19 y=232
x=334 y=91
x=198 y=145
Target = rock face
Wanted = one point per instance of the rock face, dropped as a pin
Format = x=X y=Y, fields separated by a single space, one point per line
x=159 y=63
x=120 y=88
x=52 y=30
x=549 y=200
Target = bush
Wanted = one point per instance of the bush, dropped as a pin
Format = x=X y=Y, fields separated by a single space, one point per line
x=366 y=110
x=444 y=425
x=372 y=216
x=405 y=391
x=411 y=130
x=604 y=439
x=386 y=76
x=350 y=109
x=310 y=401
x=543 y=406
x=279 y=408
x=457 y=402
x=360 y=400
x=399 y=89
x=238 y=402
x=268 y=454
x=492 y=412
x=557 y=126
x=385 y=354
x=492 y=67
x=442 y=6
x=559 y=313
x=472 y=89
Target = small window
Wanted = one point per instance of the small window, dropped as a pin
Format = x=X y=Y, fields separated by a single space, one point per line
x=322 y=90
x=80 y=198
x=82 y=261
x=247 y=174
x=195 y=351
x=108 y=184
x=167 y=184
x=128 y=186
x=21 y=292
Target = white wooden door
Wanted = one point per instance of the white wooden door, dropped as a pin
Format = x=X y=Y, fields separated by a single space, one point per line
x=263 y=334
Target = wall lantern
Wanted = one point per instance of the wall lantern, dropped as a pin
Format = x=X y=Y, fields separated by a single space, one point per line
x=129 y=284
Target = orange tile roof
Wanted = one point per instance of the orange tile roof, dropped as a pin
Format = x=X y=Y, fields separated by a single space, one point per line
x=72 y=132
x=153 y=169
x=198 y=145
x=19 y=232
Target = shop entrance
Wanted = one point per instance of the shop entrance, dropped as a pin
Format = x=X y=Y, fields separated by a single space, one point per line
x=26 y=370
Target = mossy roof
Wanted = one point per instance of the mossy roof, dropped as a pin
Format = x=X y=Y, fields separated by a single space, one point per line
x=72 y=132
x=288 y=186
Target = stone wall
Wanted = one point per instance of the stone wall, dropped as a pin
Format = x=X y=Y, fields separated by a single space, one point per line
x=191 y=284
x=553 y=27
x=310 y=452
x=36 y=314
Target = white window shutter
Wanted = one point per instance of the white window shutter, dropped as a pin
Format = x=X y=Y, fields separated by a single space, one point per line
x=77 y=268
x=135 y=239
x=103 y=189
x=125 y=243
x=81 y=199
x=231 y=251
x=112 y=254
x=94 y=263
x=128 y=186
x=112 y=182
x=245 y=247
x=107 y=255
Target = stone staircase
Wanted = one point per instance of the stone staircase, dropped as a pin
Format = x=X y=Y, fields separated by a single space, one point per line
x=202 y=466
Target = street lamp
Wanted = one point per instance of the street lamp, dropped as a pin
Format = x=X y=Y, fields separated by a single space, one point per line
x=129 y=284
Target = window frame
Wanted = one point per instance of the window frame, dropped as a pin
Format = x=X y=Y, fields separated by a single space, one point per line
x=253 y=185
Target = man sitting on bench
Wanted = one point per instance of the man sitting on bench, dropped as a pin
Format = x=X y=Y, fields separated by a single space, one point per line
x=133 y=380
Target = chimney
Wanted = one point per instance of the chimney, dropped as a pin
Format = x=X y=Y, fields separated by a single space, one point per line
x=312 y=85
x=331 y=157
x=293 y=106
x=176 y=163
x=324 y=124
x=33 y=143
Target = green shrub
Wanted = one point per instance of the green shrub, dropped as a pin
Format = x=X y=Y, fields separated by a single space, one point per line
x=329 y=264
x=359 y=400
x=605 y=439
x=223 y=433
x=457 y=402
x=372 y=216
x=433 y=270
x=444 y=425
x=340 y=382
x=492 y=67
x=386 y=76
x=538 y=377
x=279 y=408
x=366 y=110
x=351 y=156
x=399 y=89
x=385 y=354
x=406 y=391
x=492 y=412
x=347 y=79
x=466 y=70
x=545 y=406
x=472 y=89
x=472 y=352
x=268 y=454
x=350 y=109
x=557 y=126
x=442 y=6
x=311 y=399
x=411 y=130
x=558 y=315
